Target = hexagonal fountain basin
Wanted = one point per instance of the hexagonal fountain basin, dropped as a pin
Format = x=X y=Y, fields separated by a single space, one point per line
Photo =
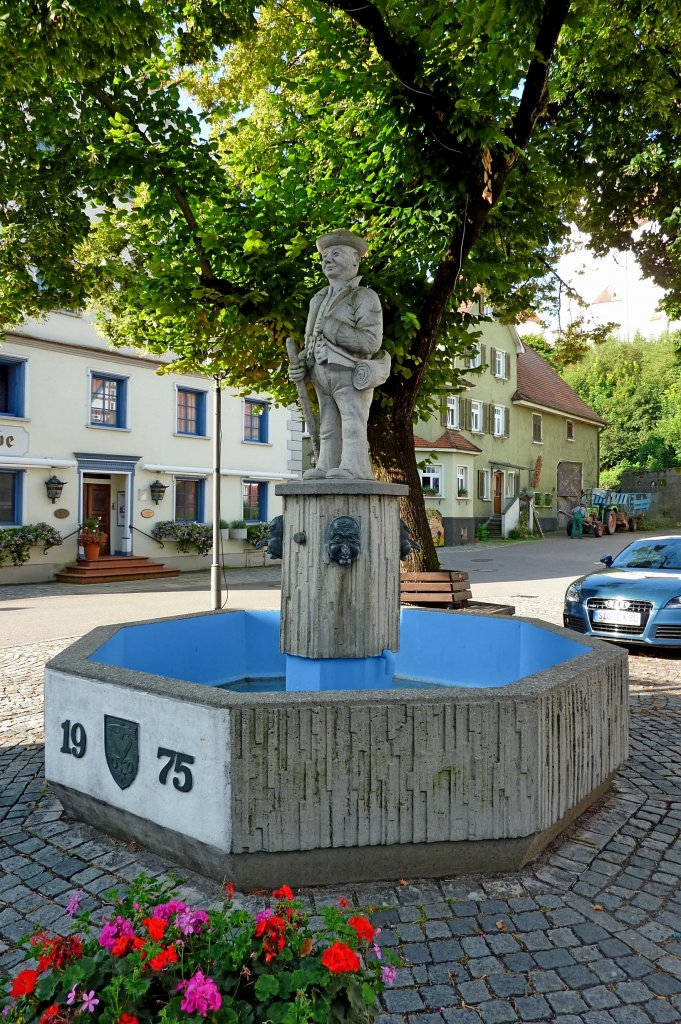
x=471 y=748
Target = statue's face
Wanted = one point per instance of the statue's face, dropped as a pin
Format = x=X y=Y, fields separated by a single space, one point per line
x=340 y=263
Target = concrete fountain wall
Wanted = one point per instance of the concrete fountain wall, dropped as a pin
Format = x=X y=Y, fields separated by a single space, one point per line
x=343 y=785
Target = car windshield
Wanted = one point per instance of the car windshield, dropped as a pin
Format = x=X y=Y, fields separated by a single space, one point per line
x=651 y=554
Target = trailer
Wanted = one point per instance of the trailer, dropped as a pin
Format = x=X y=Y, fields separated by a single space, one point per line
x=617 y=510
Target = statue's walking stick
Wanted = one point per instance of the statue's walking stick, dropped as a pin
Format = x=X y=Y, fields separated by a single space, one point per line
x=304 y=399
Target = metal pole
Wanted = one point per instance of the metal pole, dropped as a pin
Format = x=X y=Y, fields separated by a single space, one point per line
x=215 y=579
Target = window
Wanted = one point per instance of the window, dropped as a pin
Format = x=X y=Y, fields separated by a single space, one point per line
x=255 y=421
x=500 y=363
x=511 y=484
x=254 y=495
x=108 y=396
x=10 y=498
x=484 y=484
x=188 y=500
x=452 y=412
x=431 y=481
x=536 y=428
x=191 y=412
x=462 y=481
x=12 y=387
x=499 y=421
x=476 y=417
x=476 y=359
x=569 y=430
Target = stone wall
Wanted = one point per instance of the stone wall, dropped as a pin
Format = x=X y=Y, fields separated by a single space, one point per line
x=665 y=488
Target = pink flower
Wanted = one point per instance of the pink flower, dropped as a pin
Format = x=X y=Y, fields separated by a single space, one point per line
x=190 y=922
x=377 y=951
x=73 y=906
x=89 y=1001
x=114 y=930
x=166 y=910
x=262 y=916
x=389 y=974
x=200 y=995
x=71 y=997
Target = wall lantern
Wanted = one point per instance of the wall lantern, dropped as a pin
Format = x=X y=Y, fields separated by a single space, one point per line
x=157 y=490
x=54 y=488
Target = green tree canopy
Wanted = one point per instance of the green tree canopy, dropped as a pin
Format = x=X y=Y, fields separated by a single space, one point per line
x=636 y=387
x=173 y=162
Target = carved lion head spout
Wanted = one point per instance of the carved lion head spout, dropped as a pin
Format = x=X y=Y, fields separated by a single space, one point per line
x=343 y=540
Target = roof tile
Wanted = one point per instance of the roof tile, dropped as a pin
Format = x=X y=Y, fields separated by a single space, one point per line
x=538 y=382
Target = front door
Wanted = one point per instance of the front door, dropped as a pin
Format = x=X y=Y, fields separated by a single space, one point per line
x=97 y=505
x=498 y=491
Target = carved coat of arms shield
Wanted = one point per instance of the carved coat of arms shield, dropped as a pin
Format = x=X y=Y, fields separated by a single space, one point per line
x=121 y=747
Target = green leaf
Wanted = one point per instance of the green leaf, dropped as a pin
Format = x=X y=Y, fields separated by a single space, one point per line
x=267 y=986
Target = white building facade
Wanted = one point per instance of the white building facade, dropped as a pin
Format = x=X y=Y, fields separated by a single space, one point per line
x=108 y=425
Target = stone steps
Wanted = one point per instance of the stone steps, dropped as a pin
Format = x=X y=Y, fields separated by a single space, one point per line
x=114 y=569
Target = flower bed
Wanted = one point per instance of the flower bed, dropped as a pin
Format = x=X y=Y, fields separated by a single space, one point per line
x=189 y=537
x=16 y=541
x=158 y=959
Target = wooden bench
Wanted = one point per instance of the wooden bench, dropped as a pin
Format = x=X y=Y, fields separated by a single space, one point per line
x=446 y=589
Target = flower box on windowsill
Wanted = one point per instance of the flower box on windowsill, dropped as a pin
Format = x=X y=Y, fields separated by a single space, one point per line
x=462 y=495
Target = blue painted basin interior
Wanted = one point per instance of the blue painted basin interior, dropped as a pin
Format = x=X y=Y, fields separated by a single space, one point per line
x=436 y=649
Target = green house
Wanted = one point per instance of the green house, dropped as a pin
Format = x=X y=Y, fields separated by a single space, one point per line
x=516 y=429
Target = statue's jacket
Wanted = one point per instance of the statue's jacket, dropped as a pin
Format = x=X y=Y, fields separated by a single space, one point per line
x=344 y=327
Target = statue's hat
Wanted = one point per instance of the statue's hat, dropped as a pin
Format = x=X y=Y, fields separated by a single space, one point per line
x=342 y=237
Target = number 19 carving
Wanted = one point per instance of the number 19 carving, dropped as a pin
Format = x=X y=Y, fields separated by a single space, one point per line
x=74 y=739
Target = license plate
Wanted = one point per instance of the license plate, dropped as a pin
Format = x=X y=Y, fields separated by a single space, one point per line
x=617 y=618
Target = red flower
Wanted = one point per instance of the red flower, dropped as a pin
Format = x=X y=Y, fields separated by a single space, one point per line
x=24 y=983
x=340 y=959
x=363 y=928
x=122 y=945
x=58 y=952
x=51 y=1011
x=156 y=927
x=284 y=893
x=162 y=959
x=127 y=1018
x=343 y=903
x=229 y=890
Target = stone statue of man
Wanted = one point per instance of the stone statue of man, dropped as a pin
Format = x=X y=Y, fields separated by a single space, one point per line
x=343 y=359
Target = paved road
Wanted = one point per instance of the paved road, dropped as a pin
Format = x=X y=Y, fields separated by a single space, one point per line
x=532 y=575
x=590 y=933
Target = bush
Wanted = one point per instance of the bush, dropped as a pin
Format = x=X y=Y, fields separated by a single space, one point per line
x=16 y=541
x=189 y=537
x=257 y=532
x=158 y=959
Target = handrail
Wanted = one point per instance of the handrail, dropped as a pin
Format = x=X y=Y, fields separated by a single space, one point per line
x=145 y=534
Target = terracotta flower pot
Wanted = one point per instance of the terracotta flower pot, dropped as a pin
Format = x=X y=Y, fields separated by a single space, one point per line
x=91 y=551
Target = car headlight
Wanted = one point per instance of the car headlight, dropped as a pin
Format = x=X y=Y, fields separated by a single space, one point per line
x=573 y=595
x=674 y=603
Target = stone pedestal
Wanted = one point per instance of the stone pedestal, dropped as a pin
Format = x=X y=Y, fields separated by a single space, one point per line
x=332 y=609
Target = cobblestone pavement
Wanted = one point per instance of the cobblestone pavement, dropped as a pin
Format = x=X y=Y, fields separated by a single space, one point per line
x=590 y=933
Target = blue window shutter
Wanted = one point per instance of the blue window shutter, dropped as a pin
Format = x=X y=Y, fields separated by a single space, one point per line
x=264 y=427
x=263 y=502
x=201 y=413
x=200 y=500
x=122 y=403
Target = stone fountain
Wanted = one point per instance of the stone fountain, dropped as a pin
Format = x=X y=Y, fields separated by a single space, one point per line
x=342 y=739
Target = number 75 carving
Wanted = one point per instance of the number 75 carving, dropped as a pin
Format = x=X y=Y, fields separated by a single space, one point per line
x=178 y=764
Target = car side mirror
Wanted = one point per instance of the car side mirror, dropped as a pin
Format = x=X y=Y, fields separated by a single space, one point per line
x=607 y=560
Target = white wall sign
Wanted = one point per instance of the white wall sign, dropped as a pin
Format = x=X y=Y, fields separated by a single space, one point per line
x=154 y=757
x=13 y=440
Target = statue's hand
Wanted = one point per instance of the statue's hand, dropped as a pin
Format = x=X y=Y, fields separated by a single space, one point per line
x=297 y=372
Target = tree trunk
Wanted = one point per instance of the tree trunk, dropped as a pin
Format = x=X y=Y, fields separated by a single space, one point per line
x=391 y=439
